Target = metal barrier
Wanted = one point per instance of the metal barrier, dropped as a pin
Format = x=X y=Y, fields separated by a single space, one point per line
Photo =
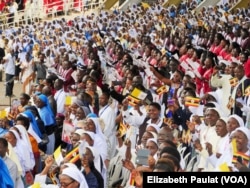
x=25 y=16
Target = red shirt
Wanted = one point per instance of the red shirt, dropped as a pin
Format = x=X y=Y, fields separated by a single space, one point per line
x=216 y=49
x=247 y=68
x=2 y=5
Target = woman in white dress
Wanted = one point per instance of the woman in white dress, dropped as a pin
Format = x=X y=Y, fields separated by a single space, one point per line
x=27 y=75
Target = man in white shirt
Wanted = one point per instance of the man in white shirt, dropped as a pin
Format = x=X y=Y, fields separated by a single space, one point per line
x=9 y=67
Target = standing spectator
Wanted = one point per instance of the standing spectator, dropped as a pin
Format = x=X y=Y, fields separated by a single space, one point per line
x=59 y=96
x=48 y=118
x=108 y=114
x=12 y=11
x=40 y=69
x=65 y=72
x=9 y=62
x=27 y=73
x=47 y=91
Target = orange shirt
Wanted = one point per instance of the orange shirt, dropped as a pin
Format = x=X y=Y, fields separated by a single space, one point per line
x=34 y=146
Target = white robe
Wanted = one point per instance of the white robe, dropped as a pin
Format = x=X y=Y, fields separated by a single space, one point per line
x=108 y=115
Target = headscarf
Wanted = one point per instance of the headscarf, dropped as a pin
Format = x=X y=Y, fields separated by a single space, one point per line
x=98 y=128
x=86 y=110
x=5 y=178
x=33 y=122
x=78 y=102
x=23 y=149
x=91 y=115
x=225 y=119
x=215 y=109
x=97 y=158
x=91 y=134
x=45 y=100
x=47 y=121
x=79 y=132
x=81 y=104
x=238 y=119
x=60 y=115
x=152 y=140
x=246 y=131
x=99 y=162
x=156 y=127
x=75 y=174
x=70 y=165
x=100 y=140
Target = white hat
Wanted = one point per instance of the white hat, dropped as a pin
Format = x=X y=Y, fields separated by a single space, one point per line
x=152 y=140
x=75 y=174
x=238 y=119
x=156 y=127
x=91 y=134
x=227 y=63
x=79 y=131
x=245 y=130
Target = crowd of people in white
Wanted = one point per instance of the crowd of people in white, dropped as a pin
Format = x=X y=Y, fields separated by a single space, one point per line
x=149 y=89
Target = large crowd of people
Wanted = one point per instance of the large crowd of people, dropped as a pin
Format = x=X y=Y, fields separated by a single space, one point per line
x=108 y=96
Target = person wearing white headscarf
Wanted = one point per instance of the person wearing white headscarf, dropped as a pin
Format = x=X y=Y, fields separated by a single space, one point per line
x=25 y=136
x=242 y=140
x=22 y=148
x=152 y=145
x=100 y=141
x=69 y=175
x=216 y=159
x=153 y=128
x=93 y=168
x=208 y=135
x=75 y=175
x=234 y=121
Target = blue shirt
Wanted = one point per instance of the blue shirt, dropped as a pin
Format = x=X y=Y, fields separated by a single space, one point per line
x=46 y=117
x=91 y=180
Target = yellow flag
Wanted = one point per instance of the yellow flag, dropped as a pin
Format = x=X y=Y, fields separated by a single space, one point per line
x=36 y=185
x=233 y=142
x=139 y=94
x=68 y=100
x=224 y=167
x=3 y=114
x=58 y=156
x=122 y=129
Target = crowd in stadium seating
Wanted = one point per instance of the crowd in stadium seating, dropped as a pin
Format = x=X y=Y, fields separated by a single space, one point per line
x=108 y=96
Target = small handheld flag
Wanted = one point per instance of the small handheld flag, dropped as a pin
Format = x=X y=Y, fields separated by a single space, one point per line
x=233 y=82
x=192 y=101
x=132 y=100
x=162 y=89
x=73 y=155
x=247 y=91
